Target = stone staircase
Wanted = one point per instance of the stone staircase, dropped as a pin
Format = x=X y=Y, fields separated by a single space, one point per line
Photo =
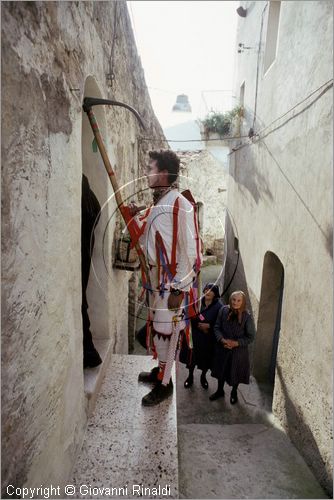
x=236 y=451
x=186 y=447
x=129 y=450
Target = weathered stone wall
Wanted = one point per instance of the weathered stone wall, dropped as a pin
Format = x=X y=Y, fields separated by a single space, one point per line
x=280 y=197
x=49 y=49
x=206 y=177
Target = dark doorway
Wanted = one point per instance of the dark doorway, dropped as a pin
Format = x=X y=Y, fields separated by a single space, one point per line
x=276 y=334
x=269 y=321
x=98 y=288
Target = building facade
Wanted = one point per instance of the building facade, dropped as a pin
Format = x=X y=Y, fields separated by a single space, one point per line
x=279 y=224
x=206 y=177
x=53 y=55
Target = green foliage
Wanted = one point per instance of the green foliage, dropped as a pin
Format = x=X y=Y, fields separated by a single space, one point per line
x=220 y=123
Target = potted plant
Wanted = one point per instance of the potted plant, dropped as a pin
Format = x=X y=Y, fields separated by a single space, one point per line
x=221 y=123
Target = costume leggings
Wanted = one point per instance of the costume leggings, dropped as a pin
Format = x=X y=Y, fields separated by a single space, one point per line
x=161 y=345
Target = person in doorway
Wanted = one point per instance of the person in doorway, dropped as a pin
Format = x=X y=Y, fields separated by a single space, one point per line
x=234 y=331
x=203 y=336
x=171 y=246
x=90 y=213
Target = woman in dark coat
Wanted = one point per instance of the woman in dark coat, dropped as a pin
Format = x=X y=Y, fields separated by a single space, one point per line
x=234 y=330
x=203 y=337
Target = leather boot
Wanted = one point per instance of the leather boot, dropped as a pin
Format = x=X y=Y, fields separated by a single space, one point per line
x=158 y=394
x=149 y=377
x=217 y=395
x=219 y=392
x=234 y=396
x=204 y=382
x=189 y=382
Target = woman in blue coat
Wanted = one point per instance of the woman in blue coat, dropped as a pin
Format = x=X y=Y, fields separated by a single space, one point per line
x=203 y=336
x=234 y=331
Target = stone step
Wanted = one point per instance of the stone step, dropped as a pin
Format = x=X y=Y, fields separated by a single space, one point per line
x=242 y=461
x=236 y=451
x=93 y=377
x=127 y=445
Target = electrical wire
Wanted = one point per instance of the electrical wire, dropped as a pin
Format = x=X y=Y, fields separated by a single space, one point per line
x=193 y=140
x=294 y=189
x=327 y=86
x=257 y=137
x=232 y=278
x=324 y=88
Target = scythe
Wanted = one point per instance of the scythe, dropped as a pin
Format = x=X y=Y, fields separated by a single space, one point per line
x=88 y=103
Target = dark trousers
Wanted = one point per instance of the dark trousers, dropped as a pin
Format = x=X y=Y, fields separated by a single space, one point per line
x=221 y=382
x=87 y=334
x=191 y=367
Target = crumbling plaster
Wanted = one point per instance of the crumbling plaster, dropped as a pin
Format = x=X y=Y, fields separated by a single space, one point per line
x=48 y=51
x=206 y=177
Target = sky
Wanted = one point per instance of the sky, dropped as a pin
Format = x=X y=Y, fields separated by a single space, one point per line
x=186 y=47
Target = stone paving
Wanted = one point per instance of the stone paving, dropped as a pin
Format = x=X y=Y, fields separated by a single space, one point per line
x=128 y=445
x=202 y=449
x=236 y=451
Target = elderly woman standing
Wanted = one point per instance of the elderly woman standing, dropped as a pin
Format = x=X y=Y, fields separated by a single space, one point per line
x=234 y=331
x=203 y=337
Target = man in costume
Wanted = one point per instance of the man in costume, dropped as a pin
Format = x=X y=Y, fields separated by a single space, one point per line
x=170 y=241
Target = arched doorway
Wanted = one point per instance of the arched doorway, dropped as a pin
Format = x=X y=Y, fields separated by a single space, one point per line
x=98 y=292
x=269 y=320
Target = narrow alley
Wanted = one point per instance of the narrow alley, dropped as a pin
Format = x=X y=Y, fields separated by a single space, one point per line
x=198 y=448
x=167 y=164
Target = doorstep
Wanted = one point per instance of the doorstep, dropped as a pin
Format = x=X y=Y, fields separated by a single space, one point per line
x=93 y=377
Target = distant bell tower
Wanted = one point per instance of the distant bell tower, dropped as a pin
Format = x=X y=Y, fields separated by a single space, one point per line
x=182 y=104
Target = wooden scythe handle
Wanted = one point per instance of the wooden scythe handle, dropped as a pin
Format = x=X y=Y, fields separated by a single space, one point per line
x=114 y=184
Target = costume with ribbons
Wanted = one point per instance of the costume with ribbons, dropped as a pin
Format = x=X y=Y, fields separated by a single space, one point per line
x=169 y=239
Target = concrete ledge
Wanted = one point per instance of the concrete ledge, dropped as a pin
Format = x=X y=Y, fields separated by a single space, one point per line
x=93 y=377
x=127 y=444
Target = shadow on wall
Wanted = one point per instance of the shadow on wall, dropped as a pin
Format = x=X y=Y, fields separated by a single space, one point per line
x=329 y=240
x=301 y=435
x=235 y=278
x=244 y=168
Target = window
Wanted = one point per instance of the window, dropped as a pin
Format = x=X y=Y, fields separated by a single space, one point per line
x=236 y=244
x=272 y=34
